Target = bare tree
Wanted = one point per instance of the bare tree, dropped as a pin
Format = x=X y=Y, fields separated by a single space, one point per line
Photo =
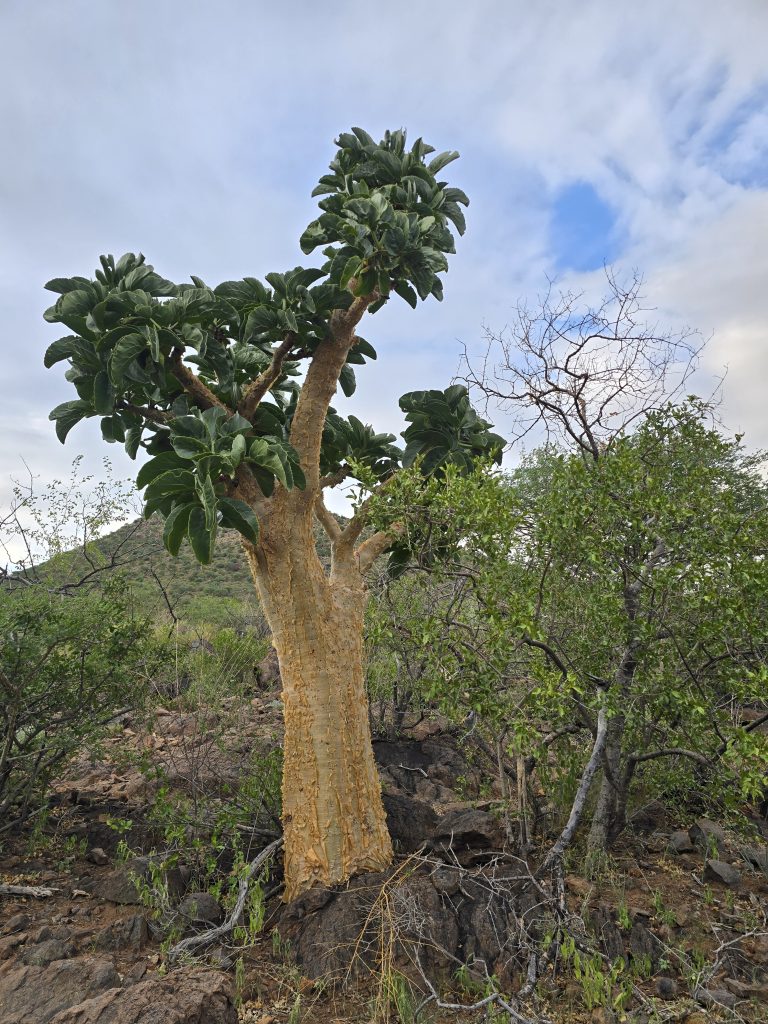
x=584 y=373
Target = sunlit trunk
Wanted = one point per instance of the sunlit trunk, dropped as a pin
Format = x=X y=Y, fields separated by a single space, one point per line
x=333 y=816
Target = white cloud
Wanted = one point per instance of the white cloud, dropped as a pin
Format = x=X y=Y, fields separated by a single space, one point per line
x=198 y=138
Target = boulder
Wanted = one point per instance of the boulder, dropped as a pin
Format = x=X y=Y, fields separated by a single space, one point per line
x=195 y=996
x=667 y=988
x=722 y=872
x=756 y=857
x=127 y=933
x=649 y=817
x=35 y=995
x=411 y=822
x=47 y=952
x=17 y=923
x=715 y=997
x=680 y=842
x=643 y=944
x=11 y=943
x=469 y=828
x=607 y=932
x=119 y=886
x=708 y=836
x=268 y=671
x=201 y=908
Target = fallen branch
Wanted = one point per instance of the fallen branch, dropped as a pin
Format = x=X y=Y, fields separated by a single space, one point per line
x=38 y=891
x=205 y=938
x=495 y=998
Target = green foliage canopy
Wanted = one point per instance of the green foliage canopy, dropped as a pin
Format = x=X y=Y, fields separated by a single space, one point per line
x=204 y=379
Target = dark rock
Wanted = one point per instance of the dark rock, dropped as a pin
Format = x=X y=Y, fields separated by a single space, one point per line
x=127 y=933
x=201 y=908
x=746 y=989
x=708 y=836
x=47 y=952
x=643 y=944
x=608 y=933
x=680 y=842
x=11 y=943
x=666 y=988
x=756 y=857
x=343 y=933
x=97 y=856
x=119 y=886
x=35 y=995
x=17 y=923
x=268 y=670
x=469 y=829
x=428 y=769
x=715 y=997
x=485 y=931
x=135 y=974
x=324 y=936
x=447 y=765
x=195 y=996
x=46 y=932
x=649 y=818
x=400 y=754
x=446 y=880
x=725 y=874
x=221 y=958
x=411 y=822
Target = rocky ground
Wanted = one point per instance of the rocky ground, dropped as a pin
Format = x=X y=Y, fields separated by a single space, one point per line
x=681 y=907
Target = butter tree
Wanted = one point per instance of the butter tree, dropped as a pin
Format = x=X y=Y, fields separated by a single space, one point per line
x=208 y=381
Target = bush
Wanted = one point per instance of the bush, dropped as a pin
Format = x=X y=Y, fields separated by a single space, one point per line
x=68 y=663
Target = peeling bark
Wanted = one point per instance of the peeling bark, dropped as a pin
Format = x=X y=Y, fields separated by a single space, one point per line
x=333 y=816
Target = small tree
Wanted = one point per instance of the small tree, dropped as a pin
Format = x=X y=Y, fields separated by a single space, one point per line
x=74 y=649
x=204 y=379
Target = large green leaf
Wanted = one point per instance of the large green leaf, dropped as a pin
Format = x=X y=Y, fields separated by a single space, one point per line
x=67 y=415
x=241 y=517
x=64 y=348
x=207 y=496
x=164 y=463
x=201 y=536
x=172 y=482
x=347 y=380
x=176 y=525
x=103 y=395
x=123 y=354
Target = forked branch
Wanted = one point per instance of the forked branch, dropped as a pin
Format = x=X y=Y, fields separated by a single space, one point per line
x=197 y=389
x=261 y=385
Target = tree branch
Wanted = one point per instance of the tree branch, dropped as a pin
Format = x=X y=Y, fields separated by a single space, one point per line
x=155 y=415
x=326 y=519
x=38 y=891
x=207 y=937
x=370 y=549
x=651 y=755
x=193 y=385
x=579 y=802
x=320 y=386
x=260 y=386
x=334 y=479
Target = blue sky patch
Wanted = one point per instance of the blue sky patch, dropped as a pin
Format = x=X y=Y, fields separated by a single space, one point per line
x=582 y=230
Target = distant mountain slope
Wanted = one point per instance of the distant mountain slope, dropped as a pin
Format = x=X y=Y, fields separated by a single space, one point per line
x=198 y=592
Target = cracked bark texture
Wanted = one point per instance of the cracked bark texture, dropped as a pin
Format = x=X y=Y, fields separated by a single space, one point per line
x=333 y=815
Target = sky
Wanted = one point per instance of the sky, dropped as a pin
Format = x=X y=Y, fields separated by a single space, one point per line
x=590 y=133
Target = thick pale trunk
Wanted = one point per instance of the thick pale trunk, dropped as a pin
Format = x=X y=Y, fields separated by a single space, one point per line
x=333 y=816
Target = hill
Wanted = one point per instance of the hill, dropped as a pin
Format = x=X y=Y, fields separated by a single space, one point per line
x=198 y=593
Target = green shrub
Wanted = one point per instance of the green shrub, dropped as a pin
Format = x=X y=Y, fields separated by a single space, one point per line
x=68 y=663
